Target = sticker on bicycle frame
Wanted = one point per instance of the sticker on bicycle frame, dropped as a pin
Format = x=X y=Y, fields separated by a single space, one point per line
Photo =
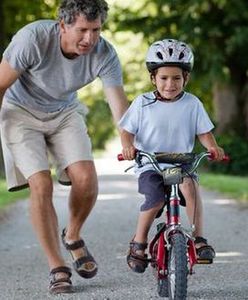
x=172 y=176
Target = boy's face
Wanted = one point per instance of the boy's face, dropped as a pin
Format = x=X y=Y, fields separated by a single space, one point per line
x=80 y=37
x=169 y=81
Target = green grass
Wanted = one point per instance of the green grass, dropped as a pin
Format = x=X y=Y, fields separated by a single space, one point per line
x=10 y=197
x=233 y=186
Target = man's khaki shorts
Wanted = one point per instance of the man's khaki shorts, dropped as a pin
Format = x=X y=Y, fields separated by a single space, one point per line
x=33 y=142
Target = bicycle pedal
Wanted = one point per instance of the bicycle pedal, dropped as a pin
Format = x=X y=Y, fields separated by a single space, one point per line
x=204 y=261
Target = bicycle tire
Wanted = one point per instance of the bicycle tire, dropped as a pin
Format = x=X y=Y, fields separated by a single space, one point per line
x=177 y=267
x=163 y=289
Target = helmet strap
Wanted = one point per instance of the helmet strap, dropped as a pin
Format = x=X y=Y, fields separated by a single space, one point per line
x=160 y=98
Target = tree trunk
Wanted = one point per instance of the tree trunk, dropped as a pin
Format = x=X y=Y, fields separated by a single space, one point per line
x=225 y=107
x=245 y=101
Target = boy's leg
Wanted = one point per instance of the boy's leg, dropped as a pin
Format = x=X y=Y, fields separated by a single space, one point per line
x=190 y=190
x=151 y=185
x=194 y=209
x=136 y=258
x=145 y=221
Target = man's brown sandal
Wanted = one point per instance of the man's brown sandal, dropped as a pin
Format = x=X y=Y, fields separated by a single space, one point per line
x=81 y=261
x=138 y=263
x=61 y=284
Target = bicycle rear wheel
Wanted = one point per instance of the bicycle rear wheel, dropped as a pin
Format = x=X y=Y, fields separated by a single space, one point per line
x=177 y=267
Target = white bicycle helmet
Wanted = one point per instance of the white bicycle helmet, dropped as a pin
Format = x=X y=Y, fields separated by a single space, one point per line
x=169 y=52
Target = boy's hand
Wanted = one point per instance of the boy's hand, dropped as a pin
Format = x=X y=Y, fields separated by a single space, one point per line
x=129 y=152
x=218 y=153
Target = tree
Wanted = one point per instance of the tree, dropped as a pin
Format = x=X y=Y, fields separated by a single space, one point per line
x=218 y=33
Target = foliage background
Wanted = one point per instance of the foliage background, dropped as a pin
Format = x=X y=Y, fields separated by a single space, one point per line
x=217 y=30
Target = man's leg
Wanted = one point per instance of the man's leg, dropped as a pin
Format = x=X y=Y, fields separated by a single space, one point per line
x=82 y=199
x=82 y=196
x=44 y=218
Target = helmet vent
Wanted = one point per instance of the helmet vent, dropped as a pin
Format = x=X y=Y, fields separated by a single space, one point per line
x=170 y=51
x=159 y=55
x=181 y=56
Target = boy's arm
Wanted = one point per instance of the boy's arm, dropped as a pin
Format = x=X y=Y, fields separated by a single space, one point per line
x=209 y=142
x=128 y=149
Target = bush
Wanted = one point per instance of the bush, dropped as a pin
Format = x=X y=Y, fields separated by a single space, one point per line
x=237 y=148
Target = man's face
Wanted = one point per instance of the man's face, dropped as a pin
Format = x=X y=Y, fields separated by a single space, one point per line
x=80 y=37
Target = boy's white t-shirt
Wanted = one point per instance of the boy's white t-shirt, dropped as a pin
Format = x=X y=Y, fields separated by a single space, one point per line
x=166 y=126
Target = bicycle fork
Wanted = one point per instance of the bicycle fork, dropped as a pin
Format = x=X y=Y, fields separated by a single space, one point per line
x=160 y=244
x=174 y=221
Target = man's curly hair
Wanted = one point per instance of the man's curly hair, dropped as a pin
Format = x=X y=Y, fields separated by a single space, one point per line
x=90 y=9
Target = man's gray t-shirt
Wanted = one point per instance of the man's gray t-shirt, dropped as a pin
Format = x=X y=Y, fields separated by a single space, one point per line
x=49 y=81
x=166 y=126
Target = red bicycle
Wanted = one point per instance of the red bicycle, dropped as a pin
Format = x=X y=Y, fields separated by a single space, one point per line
x=172 y=249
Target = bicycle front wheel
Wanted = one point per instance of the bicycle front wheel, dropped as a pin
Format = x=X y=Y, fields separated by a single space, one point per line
x=163 y=287
x=177 y=267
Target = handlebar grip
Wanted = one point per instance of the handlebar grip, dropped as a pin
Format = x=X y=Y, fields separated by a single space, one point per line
x=211 y=155
x=120 y=157
x=226 y=157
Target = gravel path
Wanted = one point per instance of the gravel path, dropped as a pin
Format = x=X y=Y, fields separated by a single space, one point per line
x=24 y=272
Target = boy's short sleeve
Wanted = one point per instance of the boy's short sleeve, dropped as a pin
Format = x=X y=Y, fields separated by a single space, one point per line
x=131 y=119
x=204 y=123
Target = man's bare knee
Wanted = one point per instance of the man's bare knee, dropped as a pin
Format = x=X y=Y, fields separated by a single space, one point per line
x=41 y=185
x=83 y=178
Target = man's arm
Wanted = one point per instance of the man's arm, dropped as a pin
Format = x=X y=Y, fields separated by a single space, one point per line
x=118 y=104
x=8 y=76
x=117 y=101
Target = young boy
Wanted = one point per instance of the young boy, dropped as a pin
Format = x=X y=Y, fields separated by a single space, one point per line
x=166 y=120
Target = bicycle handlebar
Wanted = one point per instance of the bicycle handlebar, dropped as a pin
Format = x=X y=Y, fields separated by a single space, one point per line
x=172 y=158
x=175 y=157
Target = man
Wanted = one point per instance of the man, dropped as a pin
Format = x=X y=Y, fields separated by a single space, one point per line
x=41 y=70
